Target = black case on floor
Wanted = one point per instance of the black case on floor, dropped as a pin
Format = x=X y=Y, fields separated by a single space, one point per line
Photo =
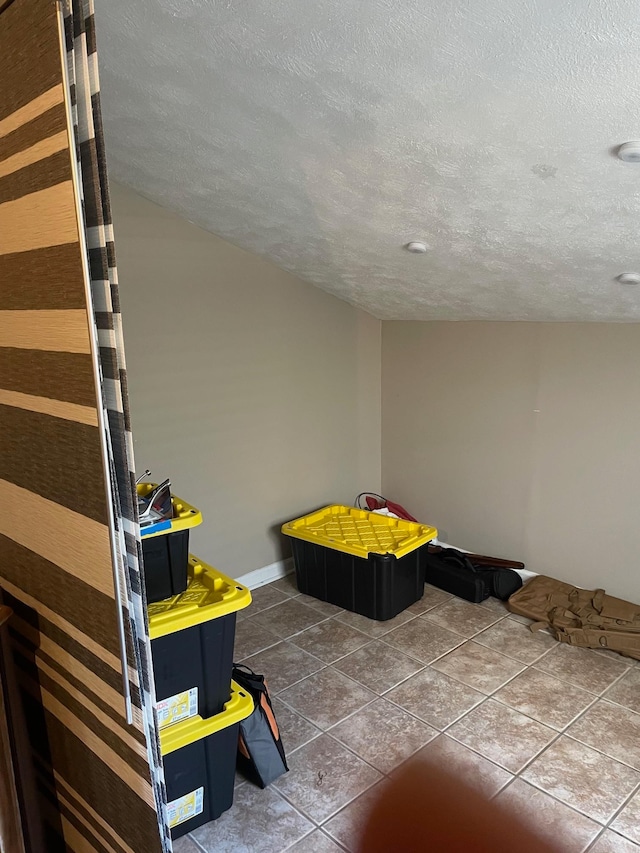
x=458 y=576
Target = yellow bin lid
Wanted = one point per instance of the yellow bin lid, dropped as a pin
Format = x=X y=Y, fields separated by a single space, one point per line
x=355 y=531
x=209 y=595
x=184 y=515
x=238 y=708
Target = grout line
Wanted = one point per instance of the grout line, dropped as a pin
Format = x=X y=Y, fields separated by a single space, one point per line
x=197 y=843
x=635 y=791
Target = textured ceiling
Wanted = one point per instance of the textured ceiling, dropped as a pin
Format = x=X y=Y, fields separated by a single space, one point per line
x=326 y=134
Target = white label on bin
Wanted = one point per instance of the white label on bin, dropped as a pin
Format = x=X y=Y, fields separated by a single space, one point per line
x=179 y=707
x=184 y=808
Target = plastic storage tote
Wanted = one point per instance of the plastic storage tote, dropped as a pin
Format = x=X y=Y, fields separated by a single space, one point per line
x=199 y=758
x=192 y=637
x=165 y=553
x=368 y=563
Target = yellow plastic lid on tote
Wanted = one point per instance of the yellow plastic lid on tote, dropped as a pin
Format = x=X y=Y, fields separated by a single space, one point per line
x=360 y=533
x=184 y=515
x=238 y=708
x=209 y=595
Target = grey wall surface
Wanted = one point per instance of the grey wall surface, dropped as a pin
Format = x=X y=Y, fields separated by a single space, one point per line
x=258 y=394
x=521 y=440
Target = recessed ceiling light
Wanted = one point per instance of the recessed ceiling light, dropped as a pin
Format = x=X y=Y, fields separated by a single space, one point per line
x=416 y=247
x=629 y=278
x=630 y=151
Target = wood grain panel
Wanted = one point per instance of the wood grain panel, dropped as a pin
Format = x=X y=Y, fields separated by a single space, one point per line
x=47 y=279
x=78 y=603
x=50 y=122
x=63 y=376
x=78 y=544
x=60 y=331
x=26 y=74
x=32 y=110
x=45 y=218
x=47 y=406
x=91 y=817
x=44 y=621
x=53 y=458
x=40 y=151
x=35 y=177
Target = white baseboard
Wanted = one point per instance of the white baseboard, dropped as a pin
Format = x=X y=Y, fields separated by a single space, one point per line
x=267 y=574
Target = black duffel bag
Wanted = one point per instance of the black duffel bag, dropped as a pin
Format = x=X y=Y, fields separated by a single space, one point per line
x=473 y=577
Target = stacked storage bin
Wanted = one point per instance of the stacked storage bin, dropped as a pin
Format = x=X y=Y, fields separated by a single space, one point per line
x=199 y=708
x=367 y=563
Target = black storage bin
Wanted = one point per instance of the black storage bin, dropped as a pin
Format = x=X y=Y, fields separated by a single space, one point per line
x=199 y=758
x=367 y=563
x=165 y=552
x=192 y=638
x=165 y=565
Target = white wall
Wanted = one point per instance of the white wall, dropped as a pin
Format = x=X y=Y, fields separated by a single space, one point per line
x=257 y=393
x=521 y=440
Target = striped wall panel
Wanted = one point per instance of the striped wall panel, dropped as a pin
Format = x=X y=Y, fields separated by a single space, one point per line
x=92 y=768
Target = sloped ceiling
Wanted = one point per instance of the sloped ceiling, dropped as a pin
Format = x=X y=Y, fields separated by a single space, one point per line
x=326 y=134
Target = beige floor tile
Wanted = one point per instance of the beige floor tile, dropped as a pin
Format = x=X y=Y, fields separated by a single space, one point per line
x=516 y=641
x=295 y=731
x=317 y=842
x=347 y=826
x=610 y=729
x=478 y=667
x=523 y=620
x=582 y=778
x=611 y=842
x=383 y=735
x=252 y=638
x=553 y=821
x=283 y=665
x=423 y=640
x=462 y=617
x=371 y=627
x=435 y=698
x=447 y=754
x=541 y=696
x=324 y=776
x=327 y=697
x=432 y=598
x=287 y=584
x=330 y=640
x=289 y=618
x=626 y=691
x=263 y=597
x=582 y=667
x=502 y=735
x=325 y=607
x=496 y=605
x=186 y=845
x=235 y=830
x=628 y=821
x=378 y=666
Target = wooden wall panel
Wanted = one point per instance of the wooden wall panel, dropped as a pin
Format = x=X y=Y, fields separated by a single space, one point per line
x=56 y=566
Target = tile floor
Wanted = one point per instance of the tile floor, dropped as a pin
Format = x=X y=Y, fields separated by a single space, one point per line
x=551 y=730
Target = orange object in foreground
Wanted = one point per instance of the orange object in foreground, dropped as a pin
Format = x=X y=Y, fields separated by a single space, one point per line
x=425 y=809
